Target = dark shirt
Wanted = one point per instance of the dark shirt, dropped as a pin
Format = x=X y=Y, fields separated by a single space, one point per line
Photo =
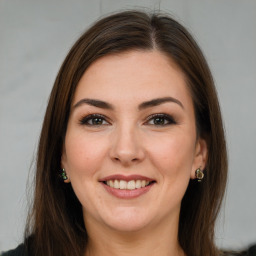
x=21 y=251
x=251 y=251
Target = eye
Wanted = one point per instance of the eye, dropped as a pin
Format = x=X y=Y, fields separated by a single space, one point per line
x=93 y=120
x=160 y=120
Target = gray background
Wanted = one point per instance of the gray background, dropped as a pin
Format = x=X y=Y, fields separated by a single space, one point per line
x=34 y=39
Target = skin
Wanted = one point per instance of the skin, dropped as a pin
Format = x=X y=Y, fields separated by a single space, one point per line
x=128 y=141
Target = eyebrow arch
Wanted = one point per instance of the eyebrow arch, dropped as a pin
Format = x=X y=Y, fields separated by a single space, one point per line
x=143 y=105
x=95 y=103
x=158 y=101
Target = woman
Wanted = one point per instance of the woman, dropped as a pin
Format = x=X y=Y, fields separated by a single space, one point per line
x=132 y=156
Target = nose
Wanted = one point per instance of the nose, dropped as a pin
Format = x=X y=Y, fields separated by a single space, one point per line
x=126 y=146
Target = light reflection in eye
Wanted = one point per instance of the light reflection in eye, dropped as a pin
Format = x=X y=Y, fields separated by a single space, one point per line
x=94 y=120
x=161 y=120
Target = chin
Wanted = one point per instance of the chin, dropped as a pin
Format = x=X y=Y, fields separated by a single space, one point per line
x=130 y=221
x=127 y=226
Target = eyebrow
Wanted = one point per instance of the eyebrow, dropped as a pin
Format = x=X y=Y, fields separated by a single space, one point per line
x=95 y=103
x=158 y=101
x=143 y=105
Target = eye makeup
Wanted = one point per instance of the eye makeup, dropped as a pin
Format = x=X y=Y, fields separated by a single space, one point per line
x=94 y=120
x=160 y=119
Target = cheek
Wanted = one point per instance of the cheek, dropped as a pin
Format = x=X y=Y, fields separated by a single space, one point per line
x=173 y=155
x=83 y=154
x=173 y=159
x=84 y=157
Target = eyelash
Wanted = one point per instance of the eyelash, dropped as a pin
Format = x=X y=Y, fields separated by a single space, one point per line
x=166 y=119
x=85 y=120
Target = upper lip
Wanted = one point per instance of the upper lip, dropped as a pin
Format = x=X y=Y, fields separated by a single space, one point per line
x=126 y=178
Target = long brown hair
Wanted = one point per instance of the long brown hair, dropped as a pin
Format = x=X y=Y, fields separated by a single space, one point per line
x=55 y=225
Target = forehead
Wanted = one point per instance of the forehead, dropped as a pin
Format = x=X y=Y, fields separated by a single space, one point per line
x=133 y=76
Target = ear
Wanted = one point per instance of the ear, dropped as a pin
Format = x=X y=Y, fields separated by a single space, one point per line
x=200 y=158
x=64 y=157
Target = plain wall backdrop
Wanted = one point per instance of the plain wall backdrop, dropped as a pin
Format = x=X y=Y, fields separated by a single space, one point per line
x=36 y=35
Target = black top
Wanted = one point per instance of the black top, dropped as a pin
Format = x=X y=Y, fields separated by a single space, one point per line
x=21 y=251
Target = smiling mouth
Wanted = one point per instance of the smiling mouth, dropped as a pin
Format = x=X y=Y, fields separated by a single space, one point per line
x=128 y=185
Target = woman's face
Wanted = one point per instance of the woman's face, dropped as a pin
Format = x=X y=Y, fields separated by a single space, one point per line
x=131 y=145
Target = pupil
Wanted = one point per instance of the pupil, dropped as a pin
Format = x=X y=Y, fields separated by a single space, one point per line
x=97 y=121
x=159 y=120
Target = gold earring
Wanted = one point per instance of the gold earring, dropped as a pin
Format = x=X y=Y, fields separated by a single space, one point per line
x=199 y=175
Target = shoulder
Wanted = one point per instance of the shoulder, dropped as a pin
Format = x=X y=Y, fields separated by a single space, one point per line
x=19 y=251
x=250 y=251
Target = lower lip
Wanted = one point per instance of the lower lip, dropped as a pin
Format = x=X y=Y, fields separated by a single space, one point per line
x=126 y=193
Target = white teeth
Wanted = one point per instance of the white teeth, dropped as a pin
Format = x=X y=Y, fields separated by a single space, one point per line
x=116 y=184
x=138 y=184
x=131 y=185
x=123 y=184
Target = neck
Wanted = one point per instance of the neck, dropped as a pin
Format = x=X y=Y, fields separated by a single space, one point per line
x=160 y=240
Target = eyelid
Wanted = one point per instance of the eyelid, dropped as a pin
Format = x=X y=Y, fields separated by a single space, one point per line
x=84 y=120
x=168 y=117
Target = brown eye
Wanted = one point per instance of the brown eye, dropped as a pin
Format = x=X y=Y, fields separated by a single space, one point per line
x=96 y=121
x=93 y=120
x=161 y=120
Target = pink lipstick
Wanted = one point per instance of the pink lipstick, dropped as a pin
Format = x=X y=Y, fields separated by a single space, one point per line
x=126 y=178
x=127 y=187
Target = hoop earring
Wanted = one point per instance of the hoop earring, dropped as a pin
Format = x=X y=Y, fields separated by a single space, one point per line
x=199 y=175
x=64 y=175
